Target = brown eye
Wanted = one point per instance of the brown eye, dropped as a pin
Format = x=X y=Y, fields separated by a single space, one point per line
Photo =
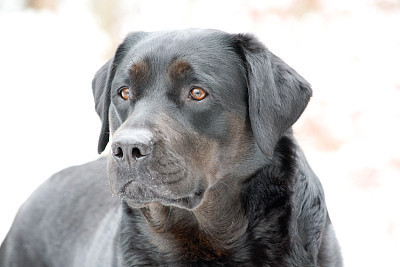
x=198 y=94
x=124 y=93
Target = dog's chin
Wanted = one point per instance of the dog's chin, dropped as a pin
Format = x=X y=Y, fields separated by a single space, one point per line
x=188 y=203
x=141 y=196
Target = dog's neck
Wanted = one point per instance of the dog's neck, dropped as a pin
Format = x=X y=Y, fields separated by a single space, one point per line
x=211 y=230
x=221 y=227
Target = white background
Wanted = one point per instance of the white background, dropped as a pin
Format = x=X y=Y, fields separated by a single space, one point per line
x=348 y=50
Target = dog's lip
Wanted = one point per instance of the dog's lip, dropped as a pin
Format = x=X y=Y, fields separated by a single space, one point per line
x=140 y=188
x=179 y=202
x=142 y=200
x=123 y=188
x=178 y=174
x=141 y=185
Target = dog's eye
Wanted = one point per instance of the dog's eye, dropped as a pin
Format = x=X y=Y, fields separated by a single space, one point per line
x=124 y=93
x=198 y=94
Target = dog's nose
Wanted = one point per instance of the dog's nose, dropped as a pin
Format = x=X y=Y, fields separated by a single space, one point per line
x=132 y=145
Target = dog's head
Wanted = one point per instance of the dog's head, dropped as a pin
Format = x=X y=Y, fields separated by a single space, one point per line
x=189 y=108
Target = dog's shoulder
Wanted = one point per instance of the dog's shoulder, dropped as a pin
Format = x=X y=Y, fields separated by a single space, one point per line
x=288 y=197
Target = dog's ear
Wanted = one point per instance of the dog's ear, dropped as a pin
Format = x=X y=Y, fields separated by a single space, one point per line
x=277 y=93
x=101 y=86
x=101 y=94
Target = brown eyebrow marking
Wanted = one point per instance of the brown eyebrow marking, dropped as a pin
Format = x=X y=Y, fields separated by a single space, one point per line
x=179 y=69
x=140 y=72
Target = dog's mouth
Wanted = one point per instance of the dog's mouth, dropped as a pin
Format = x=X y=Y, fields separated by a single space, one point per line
x=164 y=178
x=138 y=195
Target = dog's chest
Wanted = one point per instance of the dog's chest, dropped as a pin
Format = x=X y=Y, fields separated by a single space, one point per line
x=262 y=244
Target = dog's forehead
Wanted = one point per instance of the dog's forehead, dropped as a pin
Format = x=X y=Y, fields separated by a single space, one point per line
x=180 y=51
x=183 y=41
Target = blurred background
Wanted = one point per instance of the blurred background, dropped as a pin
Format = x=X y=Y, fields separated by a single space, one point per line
x=348 y=50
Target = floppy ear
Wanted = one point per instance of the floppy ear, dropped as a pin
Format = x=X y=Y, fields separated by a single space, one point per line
x=277 y=93
x=101 y=93
x=101 y=86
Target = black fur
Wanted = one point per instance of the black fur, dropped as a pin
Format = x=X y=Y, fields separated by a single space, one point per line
x=218 y=181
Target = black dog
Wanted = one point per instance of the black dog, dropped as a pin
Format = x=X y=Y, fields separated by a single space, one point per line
x=202 y=157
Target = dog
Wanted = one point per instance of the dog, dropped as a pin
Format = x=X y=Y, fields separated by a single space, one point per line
x=203 y=165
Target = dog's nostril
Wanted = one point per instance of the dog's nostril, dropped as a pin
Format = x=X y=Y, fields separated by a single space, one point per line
x=136 y=154
x=118 y=152
x=130 y=146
